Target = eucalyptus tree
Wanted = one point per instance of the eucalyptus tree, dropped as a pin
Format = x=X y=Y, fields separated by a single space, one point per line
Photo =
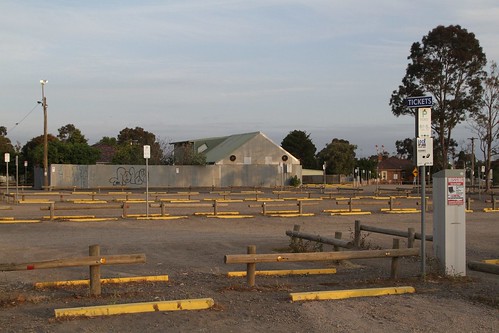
x=448 y=65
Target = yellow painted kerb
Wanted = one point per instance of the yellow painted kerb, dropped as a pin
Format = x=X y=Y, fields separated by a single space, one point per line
x=286 y=272
x=153 y=278
x=107 y=310
x=491 y=261
x=342 y=294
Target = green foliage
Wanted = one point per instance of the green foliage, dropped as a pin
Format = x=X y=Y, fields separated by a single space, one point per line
x=298 y=245
x=299 y=144
x=294 y=181
x=447 y=65
x=137 y=137
x=405 y=148
x=367 y=164
x=129 y=155
x=339 y=157
x=110 y=141
x=32 y=151
x=485 y=123
x=185 y=155
x=5 y=144
x=70 y=134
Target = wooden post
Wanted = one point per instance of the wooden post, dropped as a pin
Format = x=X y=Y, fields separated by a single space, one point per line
x=52 y=209
x=215 y=208
x=125 y=210
x=163 y=209
x=356 y=240
x=395 y=260
x=251 y=267
x=294 y=240
x=264 y=210
x=95 y=286
x=337 y=235
x=411 y=237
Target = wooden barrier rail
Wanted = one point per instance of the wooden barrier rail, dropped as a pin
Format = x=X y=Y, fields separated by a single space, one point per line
x=410 y=234
x=251 y=258
x=94 y=261
x=52 y=208
x=320 y=239
x=300 y=204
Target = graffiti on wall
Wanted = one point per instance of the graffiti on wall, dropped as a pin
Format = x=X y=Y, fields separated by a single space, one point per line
x=128 y=177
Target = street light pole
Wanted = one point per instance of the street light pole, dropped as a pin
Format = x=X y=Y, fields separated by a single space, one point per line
x=472 y=162
x=45 y=138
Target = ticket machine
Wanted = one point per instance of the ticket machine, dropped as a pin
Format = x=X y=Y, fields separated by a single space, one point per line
x=449 y=221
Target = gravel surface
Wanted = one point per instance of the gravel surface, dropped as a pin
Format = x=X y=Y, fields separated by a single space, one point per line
x=191 y=251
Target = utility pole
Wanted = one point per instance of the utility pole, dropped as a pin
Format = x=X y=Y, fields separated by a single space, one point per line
x=472 y=161
x=45 y=138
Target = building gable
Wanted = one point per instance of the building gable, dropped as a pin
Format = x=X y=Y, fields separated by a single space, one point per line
x=246 y=148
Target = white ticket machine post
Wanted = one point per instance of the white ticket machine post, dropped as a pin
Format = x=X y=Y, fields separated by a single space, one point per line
x=449 y=221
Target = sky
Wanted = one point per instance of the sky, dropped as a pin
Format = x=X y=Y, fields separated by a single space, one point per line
x=190 y=69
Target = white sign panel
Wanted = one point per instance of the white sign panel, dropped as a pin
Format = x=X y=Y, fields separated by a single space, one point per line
x=424 y=122
x=7 y=158
x=424 y=151
x=147 y=151
x=455 y=191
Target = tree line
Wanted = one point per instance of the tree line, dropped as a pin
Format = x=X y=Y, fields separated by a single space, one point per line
x=448 y=64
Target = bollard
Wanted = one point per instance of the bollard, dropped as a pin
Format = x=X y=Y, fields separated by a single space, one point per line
x=95 y=285
x=395 y=260
x=52 y=209
x=251 y=267
x=215 y=208
x=337 y=235
x=163 y=209
x=390 y=203
x=300 y=207
x=294 y=240
x=125 y=210
x=356 y=240
x=411 y=237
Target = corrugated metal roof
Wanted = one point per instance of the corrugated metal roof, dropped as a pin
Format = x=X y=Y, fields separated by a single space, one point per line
x=218 y=148
x=227 y=146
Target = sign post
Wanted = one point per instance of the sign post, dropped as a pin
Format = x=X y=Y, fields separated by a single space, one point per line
x=424 y=157
x=147 y=156
x=17 y=177
x=25 y=174
x=7 y=160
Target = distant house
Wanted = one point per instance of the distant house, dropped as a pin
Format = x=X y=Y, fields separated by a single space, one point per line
x=244 y=149
x=106 y=153
x=394 y=170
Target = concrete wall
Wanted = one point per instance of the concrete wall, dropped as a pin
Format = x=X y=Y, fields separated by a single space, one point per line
x=134 y=176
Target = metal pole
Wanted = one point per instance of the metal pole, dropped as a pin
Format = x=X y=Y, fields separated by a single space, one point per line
x=472 y=162
x=25 y=173
x=147 y=188
x=423 y=222
x=7 y=173
x=45 y=138
x=17 y=177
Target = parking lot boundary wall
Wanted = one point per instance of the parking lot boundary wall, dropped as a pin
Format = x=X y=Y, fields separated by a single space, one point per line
x=134 y=176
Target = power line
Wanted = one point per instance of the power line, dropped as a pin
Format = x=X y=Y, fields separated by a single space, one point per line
x=26 y=116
